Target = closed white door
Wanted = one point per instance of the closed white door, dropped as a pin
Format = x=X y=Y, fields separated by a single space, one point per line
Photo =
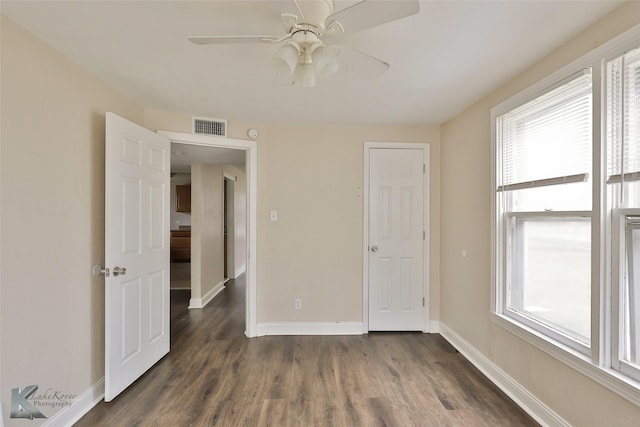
x=137 y=171
x=397 y=239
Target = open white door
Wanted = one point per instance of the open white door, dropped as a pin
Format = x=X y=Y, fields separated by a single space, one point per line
x=137 y=168
x=397 y=239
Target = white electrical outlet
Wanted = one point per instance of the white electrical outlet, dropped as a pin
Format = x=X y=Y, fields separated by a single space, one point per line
x=298 y=304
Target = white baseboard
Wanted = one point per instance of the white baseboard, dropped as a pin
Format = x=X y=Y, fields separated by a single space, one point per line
x=310 y=328
x=240 y=271
x=523 y=397
x=80 y=406
x=201 y=302
x=433 y=327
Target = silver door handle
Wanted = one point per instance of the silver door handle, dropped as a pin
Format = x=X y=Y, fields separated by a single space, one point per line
x=99 y=271
x=374 y=248
x=119 y=271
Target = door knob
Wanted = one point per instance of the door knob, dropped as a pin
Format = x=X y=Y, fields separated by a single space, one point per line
x=374 y=248
x=98 y=271
x=117 y=271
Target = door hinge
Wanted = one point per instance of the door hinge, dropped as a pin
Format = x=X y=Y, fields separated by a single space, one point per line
x=424 y=235
x=423 y=301
x=424 y=168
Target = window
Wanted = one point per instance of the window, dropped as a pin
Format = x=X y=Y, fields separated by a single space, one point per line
x=566 y=229
x=623 y=182
x=544 y=196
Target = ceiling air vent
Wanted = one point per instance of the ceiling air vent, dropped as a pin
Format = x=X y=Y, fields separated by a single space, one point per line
x=205 y=126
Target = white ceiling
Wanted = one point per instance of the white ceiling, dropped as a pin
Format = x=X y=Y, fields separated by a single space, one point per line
x=443 y=59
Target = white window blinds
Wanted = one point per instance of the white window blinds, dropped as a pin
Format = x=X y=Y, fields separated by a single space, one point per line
x=547 y=141
x=623 y=117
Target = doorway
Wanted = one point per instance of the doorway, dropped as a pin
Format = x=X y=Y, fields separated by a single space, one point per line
x=249 y=150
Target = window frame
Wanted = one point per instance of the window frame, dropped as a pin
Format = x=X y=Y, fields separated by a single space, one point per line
x=618 y=251
x=500 y=252
x=598 y=364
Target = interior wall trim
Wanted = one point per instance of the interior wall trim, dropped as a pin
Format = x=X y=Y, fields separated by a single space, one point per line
x=520 y=395
x=80 y=406
x=239 y=271
x=310 y=328
x=201 y=302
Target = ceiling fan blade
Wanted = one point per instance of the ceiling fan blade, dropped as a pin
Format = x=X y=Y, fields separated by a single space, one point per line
x=370 y=13
x=230 y=39
x=355 y=61
x=289 y=7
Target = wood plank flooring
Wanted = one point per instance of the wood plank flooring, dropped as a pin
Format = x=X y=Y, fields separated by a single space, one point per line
x=215 y=376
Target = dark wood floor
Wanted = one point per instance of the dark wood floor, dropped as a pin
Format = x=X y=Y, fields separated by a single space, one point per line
x=214 y=375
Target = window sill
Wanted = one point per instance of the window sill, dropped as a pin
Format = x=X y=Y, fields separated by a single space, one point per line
x=607 y=377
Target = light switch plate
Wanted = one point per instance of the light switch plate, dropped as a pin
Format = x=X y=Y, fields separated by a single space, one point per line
x=274 y=216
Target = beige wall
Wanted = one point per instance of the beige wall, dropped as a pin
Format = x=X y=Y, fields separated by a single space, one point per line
x=206 y=229
x=52 y=218
x=313 y=177
x=466 y=287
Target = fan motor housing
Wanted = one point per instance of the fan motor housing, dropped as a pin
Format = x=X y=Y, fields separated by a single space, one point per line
x=305 y=37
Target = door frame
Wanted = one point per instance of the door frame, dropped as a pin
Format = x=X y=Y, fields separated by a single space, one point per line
x=369 y=145
x=230 y=237
x=251 y=170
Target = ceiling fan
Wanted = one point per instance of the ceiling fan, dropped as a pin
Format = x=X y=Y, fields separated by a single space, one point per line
x=306 y=51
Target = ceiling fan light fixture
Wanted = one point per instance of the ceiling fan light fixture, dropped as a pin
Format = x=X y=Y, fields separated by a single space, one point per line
x=326 y=61
x=286 y=58
x=304 y=56
x=305 y=75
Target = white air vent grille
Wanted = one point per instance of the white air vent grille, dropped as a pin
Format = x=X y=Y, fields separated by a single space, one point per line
x=205 y=126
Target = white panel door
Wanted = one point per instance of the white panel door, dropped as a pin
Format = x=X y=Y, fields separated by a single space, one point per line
x=137 y=171
x=396 y=239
